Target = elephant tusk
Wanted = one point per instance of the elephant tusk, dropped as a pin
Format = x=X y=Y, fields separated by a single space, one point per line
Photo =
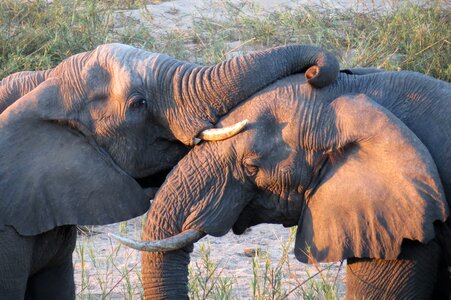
x=172 y=243
x=219 y=134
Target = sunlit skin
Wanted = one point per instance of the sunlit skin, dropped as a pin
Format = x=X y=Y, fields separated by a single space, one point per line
x=90 y=141
x=359 y=166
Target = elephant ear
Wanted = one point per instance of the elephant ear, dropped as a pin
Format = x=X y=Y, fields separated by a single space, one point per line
x=18 y=84
x=378 y=187
x=52 y=175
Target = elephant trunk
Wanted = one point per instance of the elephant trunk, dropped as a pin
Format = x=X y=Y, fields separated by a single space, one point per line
x=18 y=84
x=203 y=94
x=211 y=206
x=165 y=274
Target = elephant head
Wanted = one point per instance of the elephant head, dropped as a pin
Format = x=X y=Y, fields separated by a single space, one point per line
x=74 y=138
x=349 y=173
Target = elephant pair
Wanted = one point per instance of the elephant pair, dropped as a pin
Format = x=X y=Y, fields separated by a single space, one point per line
x=89 y=142
x=362 y=166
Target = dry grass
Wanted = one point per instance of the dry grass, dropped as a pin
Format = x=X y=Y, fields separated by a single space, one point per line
x=107 y=270
x=38 y=35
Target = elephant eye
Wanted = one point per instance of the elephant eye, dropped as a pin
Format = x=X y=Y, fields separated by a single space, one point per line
x=250 y=166
x=137 y=103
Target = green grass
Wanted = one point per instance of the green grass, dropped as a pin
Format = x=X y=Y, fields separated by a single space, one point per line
x=410 y=37
x=36 y=35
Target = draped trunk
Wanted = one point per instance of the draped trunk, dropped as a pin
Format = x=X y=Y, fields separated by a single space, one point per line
x=211 y=205
x=165 y=274
x=200 y=95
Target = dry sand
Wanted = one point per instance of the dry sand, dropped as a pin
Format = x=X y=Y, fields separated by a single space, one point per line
x=106 y=262
x=168 y=16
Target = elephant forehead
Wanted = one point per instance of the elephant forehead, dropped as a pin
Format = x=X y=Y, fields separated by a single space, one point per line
x=120 y=52
x=123 y=80
x=103 y=82
x=123 y=57
x=271 y=101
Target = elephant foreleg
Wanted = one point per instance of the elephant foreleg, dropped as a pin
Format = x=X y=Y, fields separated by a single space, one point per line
x=414 y=275
x=56 y=282
x=15 y=263
x=53 y=274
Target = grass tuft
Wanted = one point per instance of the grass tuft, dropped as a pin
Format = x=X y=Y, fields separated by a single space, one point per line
x=407 y=36
x=206 y=280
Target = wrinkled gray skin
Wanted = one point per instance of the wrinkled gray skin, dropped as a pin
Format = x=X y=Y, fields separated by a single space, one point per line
x=362 y=166
x=75 y=139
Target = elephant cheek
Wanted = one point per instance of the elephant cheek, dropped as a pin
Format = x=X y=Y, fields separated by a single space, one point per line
x=217 y=216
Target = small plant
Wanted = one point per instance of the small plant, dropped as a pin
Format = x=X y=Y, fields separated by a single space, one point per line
x=268 y=281
x=112 y=272
x=205 y=280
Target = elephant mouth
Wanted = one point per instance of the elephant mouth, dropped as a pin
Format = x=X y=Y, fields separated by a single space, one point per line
x=244 y=221
x=258 y=212
x=153 y=182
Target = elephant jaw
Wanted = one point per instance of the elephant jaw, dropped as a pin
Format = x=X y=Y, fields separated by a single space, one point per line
x=271 y=208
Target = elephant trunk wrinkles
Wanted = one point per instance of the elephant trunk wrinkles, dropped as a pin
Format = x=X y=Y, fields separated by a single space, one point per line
x=226 y=84
x=176 y=209
x=206 y=93
x=165 y=274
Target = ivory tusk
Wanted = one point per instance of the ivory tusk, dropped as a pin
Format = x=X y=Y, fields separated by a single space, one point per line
x=219 y=134
x=175 y=242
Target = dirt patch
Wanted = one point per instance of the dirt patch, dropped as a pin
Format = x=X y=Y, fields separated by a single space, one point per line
x=106 y=270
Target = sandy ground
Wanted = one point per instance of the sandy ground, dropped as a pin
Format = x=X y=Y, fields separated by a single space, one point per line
x=104 y=267
x=112 y=269
x=170 y=15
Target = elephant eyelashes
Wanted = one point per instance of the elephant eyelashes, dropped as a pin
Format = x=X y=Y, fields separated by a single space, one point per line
x=137 y=103
x=250 y=166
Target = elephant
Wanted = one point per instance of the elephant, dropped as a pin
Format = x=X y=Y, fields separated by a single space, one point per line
x=361 y=166
x=89 y=141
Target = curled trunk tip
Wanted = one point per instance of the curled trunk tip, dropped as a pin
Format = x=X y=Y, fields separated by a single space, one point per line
x=324 y=71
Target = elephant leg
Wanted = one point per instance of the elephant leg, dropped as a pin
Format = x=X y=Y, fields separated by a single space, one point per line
x=443 y=233
x=56 y=282
x=443 y=287
x=52 y=271
x=37 y=267
x=15 y=263
x=414 y=275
